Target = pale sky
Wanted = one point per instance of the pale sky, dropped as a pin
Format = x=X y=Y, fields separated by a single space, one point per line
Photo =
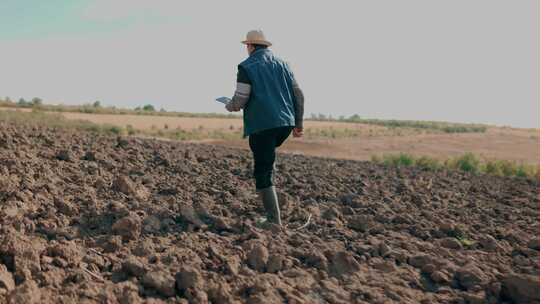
x=460 y=60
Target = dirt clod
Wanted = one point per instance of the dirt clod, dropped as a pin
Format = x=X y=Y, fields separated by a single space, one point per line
x=133 y=267
x=128 y=227
x=489 y=243
x=6 y=279
x=470 y=276
x=451 y=243
x=188 y=278
x=343 y=263
x=28 y=293
x=258 y=257
x=160 y=281
x=534 y=244
x=276 y=263
x=522 y=288
x=64 y=155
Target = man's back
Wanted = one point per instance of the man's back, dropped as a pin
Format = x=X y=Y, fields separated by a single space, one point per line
x=271 y=103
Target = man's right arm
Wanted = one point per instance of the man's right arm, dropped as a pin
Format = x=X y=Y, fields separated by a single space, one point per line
x=243 y=90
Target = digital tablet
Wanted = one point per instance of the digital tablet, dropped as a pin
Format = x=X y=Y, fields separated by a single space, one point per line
x=223 y=100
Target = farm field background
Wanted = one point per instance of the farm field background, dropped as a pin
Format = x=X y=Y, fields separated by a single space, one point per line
x=342 y=140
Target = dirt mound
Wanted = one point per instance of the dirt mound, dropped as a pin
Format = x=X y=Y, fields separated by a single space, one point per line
x=93 y=219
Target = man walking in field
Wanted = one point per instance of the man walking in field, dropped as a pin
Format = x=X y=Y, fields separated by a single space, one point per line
x=273 y=107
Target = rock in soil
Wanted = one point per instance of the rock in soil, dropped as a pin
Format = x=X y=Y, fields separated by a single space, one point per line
x=522 y=288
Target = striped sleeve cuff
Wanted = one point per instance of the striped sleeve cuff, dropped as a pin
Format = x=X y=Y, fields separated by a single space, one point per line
x=240 y=98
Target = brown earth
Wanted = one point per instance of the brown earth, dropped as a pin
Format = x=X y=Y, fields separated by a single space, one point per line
x=498 y=143
x=93 y=219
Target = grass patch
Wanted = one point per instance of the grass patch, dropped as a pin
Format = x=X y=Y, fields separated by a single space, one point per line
x=53 y=120
x=334 y=133
x=465 y=242
x=468 y=162
x=407 y=160
x=396 y=160
x=181 y=134
x=444 y=127
x=38 y=118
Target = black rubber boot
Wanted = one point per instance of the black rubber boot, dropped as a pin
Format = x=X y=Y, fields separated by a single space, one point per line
x=271 y=204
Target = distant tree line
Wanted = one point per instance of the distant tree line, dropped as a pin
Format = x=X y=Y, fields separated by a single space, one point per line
x=147 y=108
x=97 y=107
x=323 y=117
x=37 y=102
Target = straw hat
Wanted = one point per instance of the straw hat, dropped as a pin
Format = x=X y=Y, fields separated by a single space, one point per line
x=256 y=37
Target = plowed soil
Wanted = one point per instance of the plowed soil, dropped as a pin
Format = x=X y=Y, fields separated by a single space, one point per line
x=92 y=219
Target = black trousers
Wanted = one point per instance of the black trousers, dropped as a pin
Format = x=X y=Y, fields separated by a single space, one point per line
x=263 y=145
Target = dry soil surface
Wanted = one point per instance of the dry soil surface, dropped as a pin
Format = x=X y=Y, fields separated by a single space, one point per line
x=519 y=145
x=93 y=219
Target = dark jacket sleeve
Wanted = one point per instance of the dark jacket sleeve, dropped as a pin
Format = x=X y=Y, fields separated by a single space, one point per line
x=298 y=99
x=299 y=107
x=298 y=103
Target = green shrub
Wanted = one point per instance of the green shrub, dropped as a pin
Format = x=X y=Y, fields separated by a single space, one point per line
x=445 y=127
x=130 y=130
x=468 y=163
x=376 y=159
x=536 y=172
x=493 y=168
x=114 y=129
x=507 y=168
x=428 y=163
x=37 y=102
x=398 y=160
x=94 y=128
x=521 y=171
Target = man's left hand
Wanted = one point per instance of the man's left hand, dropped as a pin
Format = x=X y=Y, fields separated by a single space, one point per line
x=298 y=132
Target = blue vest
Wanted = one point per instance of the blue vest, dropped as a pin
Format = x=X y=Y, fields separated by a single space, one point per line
x=271 y=102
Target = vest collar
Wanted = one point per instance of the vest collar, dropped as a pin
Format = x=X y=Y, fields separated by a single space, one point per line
x=260 y=52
